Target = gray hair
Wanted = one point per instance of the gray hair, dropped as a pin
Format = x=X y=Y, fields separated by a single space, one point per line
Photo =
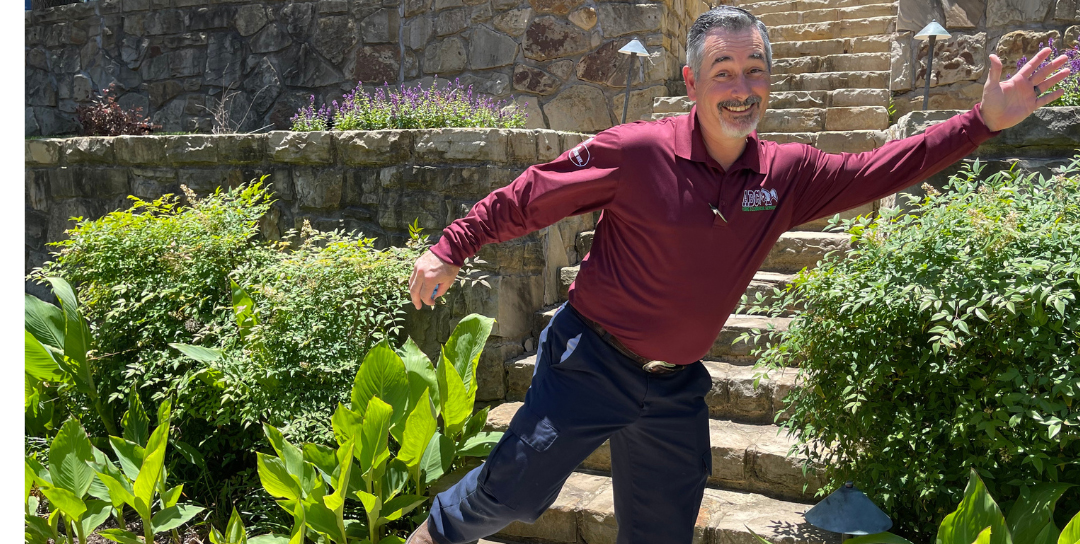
x=726 y=17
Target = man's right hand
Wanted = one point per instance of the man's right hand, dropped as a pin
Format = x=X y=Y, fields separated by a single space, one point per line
x=431 y=278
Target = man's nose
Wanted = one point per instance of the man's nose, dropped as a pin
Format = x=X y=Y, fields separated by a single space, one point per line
x=741 y=88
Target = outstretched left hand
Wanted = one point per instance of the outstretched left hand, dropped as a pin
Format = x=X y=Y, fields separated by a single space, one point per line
x=1006 y=103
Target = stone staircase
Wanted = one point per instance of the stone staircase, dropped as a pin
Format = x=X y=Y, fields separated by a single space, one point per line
x=831 y=73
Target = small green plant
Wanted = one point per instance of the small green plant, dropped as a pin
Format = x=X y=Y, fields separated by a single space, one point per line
x=398 y=399
x=946 y=341
x=236 y=533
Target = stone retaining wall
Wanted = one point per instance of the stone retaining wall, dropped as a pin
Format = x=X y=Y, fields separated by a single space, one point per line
x=376 y=182
x=1009 y=28
x=173 y=58
x=1044 y=143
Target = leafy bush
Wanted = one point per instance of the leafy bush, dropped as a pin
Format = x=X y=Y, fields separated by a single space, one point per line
x=455 y=106
x=390 y=448
x=1071 y=84
x=104 y=117
x=160 y=273
x=948 y=340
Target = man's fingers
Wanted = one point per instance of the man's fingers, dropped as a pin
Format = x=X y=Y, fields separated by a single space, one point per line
x=414 y=291
x=1046 y=73
x=1028 y=69
x=1048 y=98
x=995 y=69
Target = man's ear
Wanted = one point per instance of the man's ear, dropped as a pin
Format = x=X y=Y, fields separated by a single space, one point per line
x=688 y=78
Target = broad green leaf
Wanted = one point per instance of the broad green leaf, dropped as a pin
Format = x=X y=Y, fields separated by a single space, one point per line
x=475 y=424
x=39 y=527
x=323 y=520
x=76 y=333
x=465 y=345
x=976 y=512
x=173 y=517
x=369 y=501
x=419 y=428
x=189 y=453
x=69 y=457
x=129 y=454
x=1032 y=512
x=96 y=514
x=291 y=455
x=1071 y=533
x=322 y=457
x=67 y=502
x=268 y=539
x=480 y=445
x=97 y=487
x=172 y=496
x=276 y=479
x=399 y=506
x=198 y=353
x=437 y=459
x=150 y=471
x=234 y=531
x=346 y=423
x=456 y=406
x=392 y=539
x=985 y=536
x=164 y=414
x=119 y=491
x=382 y=375
x=40 y=363
x=244 y=309
x=29 y=473
x=299 y=528
x=394 y=479
x=336 y=500
x=1048 y=535
x=878 y=538
x=374 y=450
x=216 y=536
x=421 y=373
x=135 y=421
x=356 y=530
x=121 y=536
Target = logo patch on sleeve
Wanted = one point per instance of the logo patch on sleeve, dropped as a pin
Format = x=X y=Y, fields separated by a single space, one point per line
x=579 y=155
x=759 y=200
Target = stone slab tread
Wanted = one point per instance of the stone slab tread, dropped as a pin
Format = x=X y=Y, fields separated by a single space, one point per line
x=775 y=6
x=584 y=512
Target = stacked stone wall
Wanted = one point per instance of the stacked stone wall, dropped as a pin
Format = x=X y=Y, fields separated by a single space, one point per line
x=1009 y=28
x=176 y=59
x=376 y=182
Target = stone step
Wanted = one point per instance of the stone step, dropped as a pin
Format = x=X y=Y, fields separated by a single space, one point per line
x=829 y=14
x=791 y=253
x=851 y=62
x=830 y=30
x=827 y=81
x=824 y=119
x=672 y=104
x=775 y=6
x=838 y=98
x=726 y=348
x=840 y=46
x=849 y=141
x=745 y=457
x=733 y=395
x=584 y=512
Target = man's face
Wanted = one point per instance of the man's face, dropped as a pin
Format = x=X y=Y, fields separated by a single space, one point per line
x=732 y=85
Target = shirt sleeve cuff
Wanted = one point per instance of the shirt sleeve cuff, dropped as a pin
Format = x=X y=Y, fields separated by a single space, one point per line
x=445 y=253
x=976 y=128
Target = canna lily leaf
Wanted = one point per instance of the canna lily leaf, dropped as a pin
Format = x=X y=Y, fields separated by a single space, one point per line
x=1032 y=514
x=437 y=459
x=173 y=517
x=189 y=453
x=382 y=375
x=480 y=445
x=96 y=514
x=276 y=479
x=346 y=424
x=984 y=536
x=397 y=507
x=76 y=333
x=394 y=479
x=65 y=501
x=269 y=539
x=40 y=528
x=879 y=538
x=120 y=491
x=244 y=309
x=392 y=539
x=150 y=471
x=456 y=406
x=475 y=424
x=292 y=456
x=977 y=511
x=121 y=536
x=129 y=454
x=369 y=501
x=198 y=353
x=323 y=458
x=235 y=531
x=40 y=473
x=374 y=450
x=419 y=428
x=135 y=421
x=421 y=374
x=465 y=345
x=336 y=500
x=172 y=496
x=69 y=457
x=40 y=364
x=1071 y=533
x=44 y=321
x=323 y=520
x=164 y=413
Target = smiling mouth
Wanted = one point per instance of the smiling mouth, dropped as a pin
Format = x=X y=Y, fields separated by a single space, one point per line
x=738 y=109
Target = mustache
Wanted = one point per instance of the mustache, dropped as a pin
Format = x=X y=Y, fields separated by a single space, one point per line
x=750 y=100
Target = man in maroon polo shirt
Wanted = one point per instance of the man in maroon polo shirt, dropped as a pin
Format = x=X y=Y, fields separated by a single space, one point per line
x=691 y=207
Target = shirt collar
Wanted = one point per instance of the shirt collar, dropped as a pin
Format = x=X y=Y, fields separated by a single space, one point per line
x=690 y=145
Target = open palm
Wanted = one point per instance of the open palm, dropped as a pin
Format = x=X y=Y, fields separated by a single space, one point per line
x=1006 y=103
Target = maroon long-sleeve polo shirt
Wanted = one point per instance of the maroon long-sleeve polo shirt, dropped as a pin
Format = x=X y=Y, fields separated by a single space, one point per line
x=665 y=269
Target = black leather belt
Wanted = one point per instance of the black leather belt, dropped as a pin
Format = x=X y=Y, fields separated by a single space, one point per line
x=648 y=365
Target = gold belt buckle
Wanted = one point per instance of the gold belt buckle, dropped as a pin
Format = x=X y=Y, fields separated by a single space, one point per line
x=659 y=367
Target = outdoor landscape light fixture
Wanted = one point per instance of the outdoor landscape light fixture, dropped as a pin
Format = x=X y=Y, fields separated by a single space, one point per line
x=850 y=512
x=933 y=31
x=635 y=49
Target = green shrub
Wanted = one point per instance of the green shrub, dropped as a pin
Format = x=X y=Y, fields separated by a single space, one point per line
x=160 y=274
x=948 y=340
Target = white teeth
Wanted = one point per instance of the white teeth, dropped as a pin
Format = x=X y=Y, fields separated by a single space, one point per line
x=740 y=108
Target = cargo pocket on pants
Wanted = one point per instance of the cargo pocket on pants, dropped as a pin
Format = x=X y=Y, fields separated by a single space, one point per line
x=515 y=474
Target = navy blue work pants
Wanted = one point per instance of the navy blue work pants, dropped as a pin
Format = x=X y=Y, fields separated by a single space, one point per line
x=584 y=392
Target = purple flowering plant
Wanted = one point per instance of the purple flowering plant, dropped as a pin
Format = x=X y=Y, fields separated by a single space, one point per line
x=454 y=105
x=1071 y=84
x=310 y=119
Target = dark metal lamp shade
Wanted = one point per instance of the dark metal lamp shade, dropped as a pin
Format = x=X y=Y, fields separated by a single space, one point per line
x=847 y=510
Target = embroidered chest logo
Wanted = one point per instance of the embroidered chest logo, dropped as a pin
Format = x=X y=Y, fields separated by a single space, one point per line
x=759 y=200
x=579 y=155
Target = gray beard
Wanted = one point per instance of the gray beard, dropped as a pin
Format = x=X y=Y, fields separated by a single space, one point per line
x=736 y=131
